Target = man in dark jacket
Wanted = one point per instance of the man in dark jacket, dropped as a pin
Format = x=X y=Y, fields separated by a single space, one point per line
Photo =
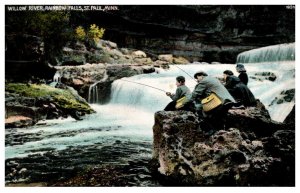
x=181 y=91
x=238 y=89
x=243 y=75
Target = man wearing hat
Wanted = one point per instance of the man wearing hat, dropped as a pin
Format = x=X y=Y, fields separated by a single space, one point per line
x=243 y=75
x=206 y=86
x=238 y=89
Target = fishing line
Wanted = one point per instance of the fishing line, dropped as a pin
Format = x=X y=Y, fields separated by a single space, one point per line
x=185 y=72
x=144 y=85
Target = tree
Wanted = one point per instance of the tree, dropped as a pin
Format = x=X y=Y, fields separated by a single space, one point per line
x=52 y=26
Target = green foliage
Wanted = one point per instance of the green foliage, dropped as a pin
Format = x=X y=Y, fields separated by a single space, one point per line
x=62 y=98
x=53 y=26
x=95 y=33
x=92 y=36
x=48 y=24
x=80 y=33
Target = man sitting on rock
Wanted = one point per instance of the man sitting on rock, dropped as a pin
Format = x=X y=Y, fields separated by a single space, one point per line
x=243 y=73
x=238 y=89
x=181 y=91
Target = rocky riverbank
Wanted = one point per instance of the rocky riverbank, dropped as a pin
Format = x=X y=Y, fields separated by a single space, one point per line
x=26 y=104
x=80 y=67
x=252 y=151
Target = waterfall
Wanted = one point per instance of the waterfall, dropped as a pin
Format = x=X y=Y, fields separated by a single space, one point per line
x=152 y=100
x=279 y=59
x=281 y=52
x=57 y=77
x=93 y=96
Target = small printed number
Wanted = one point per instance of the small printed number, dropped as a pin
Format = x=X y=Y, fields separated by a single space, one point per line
x=290 y=6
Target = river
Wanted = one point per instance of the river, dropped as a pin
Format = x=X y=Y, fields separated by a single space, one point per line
x=119 y=134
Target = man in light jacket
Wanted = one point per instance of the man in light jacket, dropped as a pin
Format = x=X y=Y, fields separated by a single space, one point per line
x=207 y=85
x=181 y=91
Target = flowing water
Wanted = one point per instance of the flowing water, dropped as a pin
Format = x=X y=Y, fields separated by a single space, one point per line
x=93 y=96
x=281 y=52
x=120 y=134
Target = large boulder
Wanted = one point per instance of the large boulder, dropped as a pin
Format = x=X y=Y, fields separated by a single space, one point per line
x=139 y=54
x=166 y=57
x=180 y=60
x=248 y=153
x=256 y=119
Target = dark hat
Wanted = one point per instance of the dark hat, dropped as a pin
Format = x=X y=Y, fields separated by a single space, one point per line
x=240 y=68
x=228 y=72
x=180 y=79
x=200 y=73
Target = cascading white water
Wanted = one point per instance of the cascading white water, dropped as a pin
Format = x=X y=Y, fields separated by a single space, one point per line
x=93 y=93
x=281 y=52
x=153 y=100
x=93 y=96
x=279 y=59
x=56 y=77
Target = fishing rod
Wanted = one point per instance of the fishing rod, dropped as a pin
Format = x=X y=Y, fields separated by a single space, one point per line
x=144 y=85
x=185 y=72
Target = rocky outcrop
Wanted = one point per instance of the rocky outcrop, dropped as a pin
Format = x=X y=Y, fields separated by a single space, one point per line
x=264 y=76
x=108 y=52
x=290 y=119
x=104 y=51
x=252 y=151
x=26 y=104
x=254 y=119
x=284 y=97
x=83 y=76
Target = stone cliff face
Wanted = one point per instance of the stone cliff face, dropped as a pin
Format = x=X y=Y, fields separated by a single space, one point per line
x=252 y=151
x=199 y=33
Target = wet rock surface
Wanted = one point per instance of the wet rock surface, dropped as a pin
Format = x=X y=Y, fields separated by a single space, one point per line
x=264 y=76
x=251 y=151
x=284 y=97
